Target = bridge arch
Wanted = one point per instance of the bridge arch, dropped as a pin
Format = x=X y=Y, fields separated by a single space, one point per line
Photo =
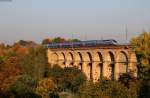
x=98 y=66
x=80 y=60
x=111 y=64
x=90 y=59
x=70 y=59
x=63 y=59
x=90 y=65
x=54 y=58
x=123 y=62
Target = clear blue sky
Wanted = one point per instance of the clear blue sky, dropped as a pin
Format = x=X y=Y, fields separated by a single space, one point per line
x=84 y=19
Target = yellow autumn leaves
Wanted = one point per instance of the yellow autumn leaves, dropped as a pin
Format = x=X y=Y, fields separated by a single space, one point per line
x=45 y=87
x=141 y=46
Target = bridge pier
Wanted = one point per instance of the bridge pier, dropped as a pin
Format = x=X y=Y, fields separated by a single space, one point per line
x=97 y=71
x=86 y=69
x=117 y=71
x=107 y=70
x=62 y=63
x=133 y=64
x=69 y=64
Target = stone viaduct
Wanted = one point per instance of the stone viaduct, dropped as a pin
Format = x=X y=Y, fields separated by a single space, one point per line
x=96 y=62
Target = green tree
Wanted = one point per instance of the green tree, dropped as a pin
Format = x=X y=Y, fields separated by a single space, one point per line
x=141 y=46
x=56 y=72
x=46 y=41
x=45 y=87
x=70 y=78
x=24 y=87
x=25 y=43
x=58 y=40
x=126 y=78
x=35 y=62
x=73 y=78
x=73 y=40
x=106 y=89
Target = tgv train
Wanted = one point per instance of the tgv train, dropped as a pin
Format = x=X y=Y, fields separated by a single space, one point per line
x=90 y=43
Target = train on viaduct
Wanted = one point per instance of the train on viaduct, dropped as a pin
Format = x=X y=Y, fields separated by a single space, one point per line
x=96 y=58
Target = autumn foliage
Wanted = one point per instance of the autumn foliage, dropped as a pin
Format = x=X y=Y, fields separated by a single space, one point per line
x=25 y=73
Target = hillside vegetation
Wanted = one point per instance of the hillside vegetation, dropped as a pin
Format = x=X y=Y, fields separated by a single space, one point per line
x=25 y=73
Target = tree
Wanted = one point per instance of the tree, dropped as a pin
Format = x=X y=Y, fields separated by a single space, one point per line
x=24 y=87
x=45 y=87
x=8 y=73
x=58 y=40
x=2 y=46
x=73 y=40
x=141 y=46
x=46 y=41
x=126 y=78
x=106 y=89
x=73 y=78
x=68 y=78
x=86 y=90
x=56 y=73
x=25 y=43
x=35 y=62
